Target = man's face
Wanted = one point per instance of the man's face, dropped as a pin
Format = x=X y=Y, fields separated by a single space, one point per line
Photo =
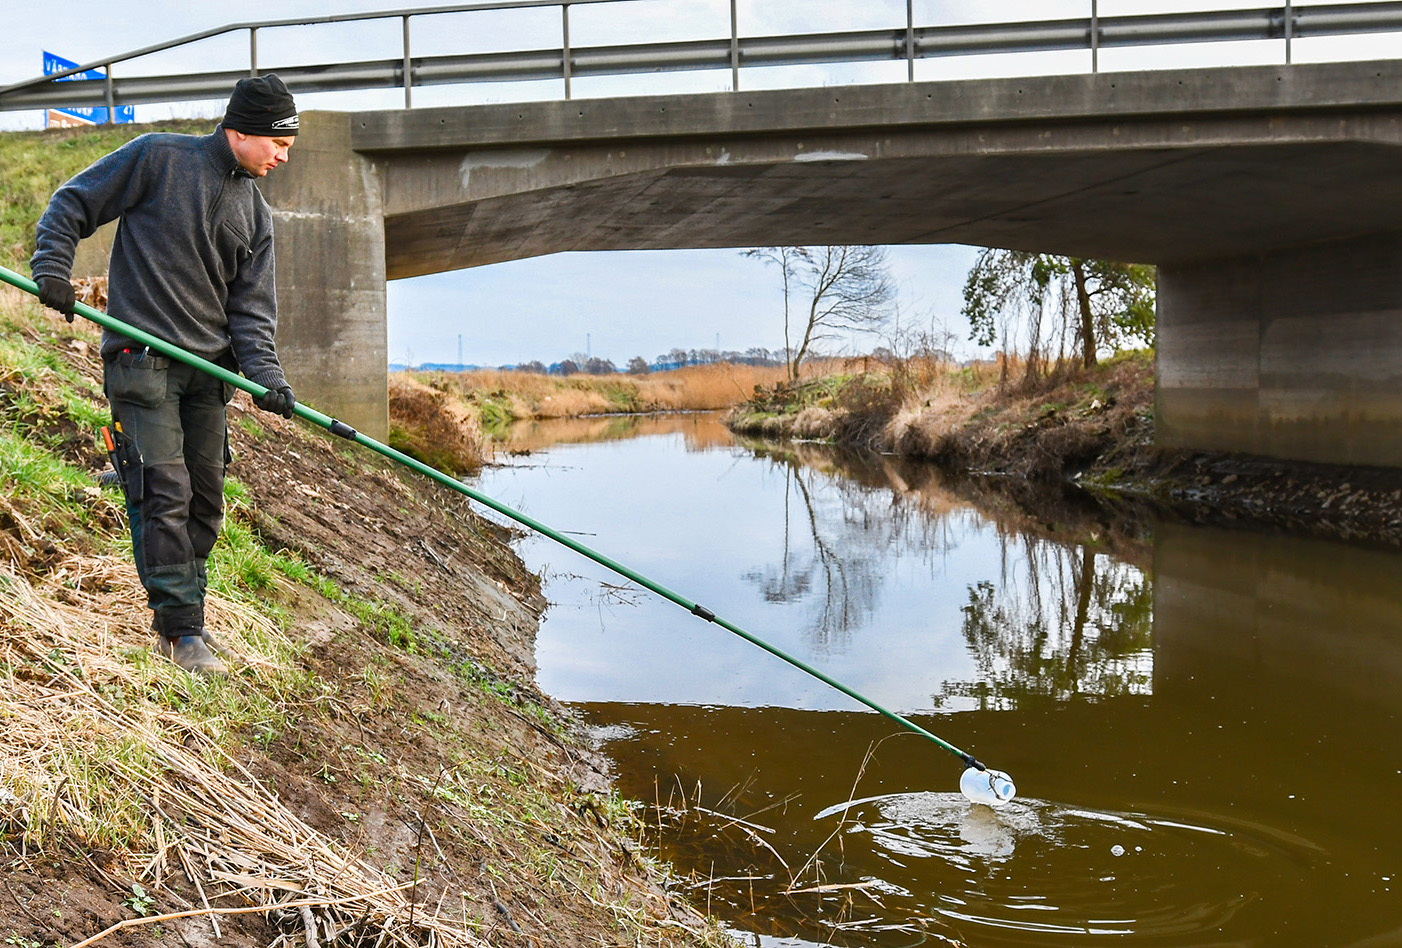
x=259 y=154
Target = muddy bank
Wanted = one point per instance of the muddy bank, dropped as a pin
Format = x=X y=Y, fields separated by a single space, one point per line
x=1093 y=430
x=406 y=733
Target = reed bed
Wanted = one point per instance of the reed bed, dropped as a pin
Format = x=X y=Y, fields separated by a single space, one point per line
x=93 y=752
x=694 y=388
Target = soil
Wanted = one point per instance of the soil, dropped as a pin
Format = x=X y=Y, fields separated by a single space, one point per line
x=1094 y=430
x=552 y=862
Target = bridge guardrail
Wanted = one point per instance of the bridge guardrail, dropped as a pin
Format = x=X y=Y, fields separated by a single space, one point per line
x=906 y=42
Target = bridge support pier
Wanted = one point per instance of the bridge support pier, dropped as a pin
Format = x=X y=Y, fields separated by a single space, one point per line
x=329 y=227
x=1291 y=354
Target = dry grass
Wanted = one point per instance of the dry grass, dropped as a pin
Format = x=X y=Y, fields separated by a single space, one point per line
x=706 y=387
x=511 y=395
x=438 y=430
x=91 y=747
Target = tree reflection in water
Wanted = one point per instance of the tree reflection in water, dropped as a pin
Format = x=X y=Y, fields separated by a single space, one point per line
x=844 y=514
x=1076 y=626
x=1061 y=623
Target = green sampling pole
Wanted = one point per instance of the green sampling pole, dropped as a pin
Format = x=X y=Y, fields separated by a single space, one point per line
x=344 y=430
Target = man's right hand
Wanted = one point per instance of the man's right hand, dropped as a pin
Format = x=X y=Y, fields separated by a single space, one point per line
x=279 y=401
x=57 y=293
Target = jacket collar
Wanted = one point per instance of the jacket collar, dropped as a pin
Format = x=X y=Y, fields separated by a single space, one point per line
x=217 y=147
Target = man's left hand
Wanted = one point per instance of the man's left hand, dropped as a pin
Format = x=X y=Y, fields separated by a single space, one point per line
x=57 y=293
x=279 y=401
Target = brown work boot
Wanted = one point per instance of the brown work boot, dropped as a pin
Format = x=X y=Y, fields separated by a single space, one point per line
x=191 y=654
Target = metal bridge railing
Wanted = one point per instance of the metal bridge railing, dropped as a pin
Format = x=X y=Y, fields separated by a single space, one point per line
x=908 y=42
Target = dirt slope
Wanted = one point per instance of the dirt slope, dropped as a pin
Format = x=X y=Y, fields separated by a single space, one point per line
x=418 y=744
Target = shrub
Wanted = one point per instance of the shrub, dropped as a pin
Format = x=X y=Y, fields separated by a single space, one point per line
x=433 y=428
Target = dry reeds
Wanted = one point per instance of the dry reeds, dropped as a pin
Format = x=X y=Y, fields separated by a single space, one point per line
x=91 y=748
x=438 y=430
x=693 y=388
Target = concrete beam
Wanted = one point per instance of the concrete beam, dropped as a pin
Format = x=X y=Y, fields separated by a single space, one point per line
x=329 y=235
x=1294 y=354
x=1156 y=167
x=1043 y=101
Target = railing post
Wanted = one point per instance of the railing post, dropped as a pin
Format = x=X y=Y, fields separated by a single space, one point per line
x=111 y=99
x=408 y=69
x=909 y=40
x=1289 y=29
x=734 y=49
x=253 y=51
x=1094 y=36
x=565 y=46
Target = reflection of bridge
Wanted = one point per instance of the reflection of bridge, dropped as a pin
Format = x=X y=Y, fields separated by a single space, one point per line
x=1269 y=196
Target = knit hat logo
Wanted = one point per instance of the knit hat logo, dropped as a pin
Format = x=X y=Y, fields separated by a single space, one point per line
x=261 y=105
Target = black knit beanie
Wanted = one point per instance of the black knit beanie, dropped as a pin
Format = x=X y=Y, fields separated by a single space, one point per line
x=261 y=105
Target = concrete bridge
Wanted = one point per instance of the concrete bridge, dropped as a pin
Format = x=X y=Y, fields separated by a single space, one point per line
x=1270 y=198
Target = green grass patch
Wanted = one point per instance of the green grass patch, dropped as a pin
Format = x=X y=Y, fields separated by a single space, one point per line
x=37 y=163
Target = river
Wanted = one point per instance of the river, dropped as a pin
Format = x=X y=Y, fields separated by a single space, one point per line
x=1202 y=724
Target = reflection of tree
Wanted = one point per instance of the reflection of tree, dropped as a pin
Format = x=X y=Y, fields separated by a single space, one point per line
x=838 y=559
x=1077 y=627
x=834 y=567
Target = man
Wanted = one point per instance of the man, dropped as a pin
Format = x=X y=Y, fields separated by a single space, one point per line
x=192 y=264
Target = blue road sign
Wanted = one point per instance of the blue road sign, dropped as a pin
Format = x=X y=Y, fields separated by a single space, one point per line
x=96 y=115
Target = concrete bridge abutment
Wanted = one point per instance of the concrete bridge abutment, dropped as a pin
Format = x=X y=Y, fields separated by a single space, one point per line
x=330 y=238
x=1293 y=354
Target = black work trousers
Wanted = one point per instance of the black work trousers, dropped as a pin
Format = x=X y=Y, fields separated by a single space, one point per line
x=175 y=416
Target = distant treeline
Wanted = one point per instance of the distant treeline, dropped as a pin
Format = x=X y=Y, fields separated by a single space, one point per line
x=580 y=364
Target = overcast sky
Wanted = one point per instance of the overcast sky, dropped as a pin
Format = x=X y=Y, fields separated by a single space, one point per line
x=617 y=305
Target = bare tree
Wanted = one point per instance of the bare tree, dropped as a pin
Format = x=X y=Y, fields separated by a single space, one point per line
x=847 y=288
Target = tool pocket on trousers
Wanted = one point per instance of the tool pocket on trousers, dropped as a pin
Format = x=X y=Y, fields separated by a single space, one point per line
x=141 y=381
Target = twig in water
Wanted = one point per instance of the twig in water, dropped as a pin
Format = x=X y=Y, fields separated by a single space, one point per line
x=731 y=820
x=833 y=887
x=866 y=759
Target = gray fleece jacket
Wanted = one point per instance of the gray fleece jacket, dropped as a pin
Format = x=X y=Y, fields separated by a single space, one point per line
x=193 y=258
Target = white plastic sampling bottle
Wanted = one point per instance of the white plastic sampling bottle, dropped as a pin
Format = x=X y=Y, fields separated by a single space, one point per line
x=989 y=787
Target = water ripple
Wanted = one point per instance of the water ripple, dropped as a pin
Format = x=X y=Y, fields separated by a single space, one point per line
x=1039 y=867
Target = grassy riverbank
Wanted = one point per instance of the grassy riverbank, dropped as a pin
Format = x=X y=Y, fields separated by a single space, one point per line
x=498 y=398
x=1093 y=427
x=970 y=418
x=378 y=764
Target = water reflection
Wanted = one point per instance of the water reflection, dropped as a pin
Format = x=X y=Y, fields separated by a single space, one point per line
x=1080 y=629
x=836 y=545
x=700 y=430
x=862 y=566
x=1206 y=753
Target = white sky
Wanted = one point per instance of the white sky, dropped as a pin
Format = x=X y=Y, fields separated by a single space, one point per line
x=617 y=304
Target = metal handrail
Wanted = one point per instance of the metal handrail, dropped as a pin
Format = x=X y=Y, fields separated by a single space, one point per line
x=904 y=42
x=296 y=21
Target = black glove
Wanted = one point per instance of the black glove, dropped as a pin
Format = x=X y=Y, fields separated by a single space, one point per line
x=279 y=401
x=57 y=293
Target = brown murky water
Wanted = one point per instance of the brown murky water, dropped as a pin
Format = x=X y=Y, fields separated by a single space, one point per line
x=1204 y=729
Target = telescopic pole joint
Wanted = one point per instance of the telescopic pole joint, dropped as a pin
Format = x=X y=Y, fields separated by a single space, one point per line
x=342 y=429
